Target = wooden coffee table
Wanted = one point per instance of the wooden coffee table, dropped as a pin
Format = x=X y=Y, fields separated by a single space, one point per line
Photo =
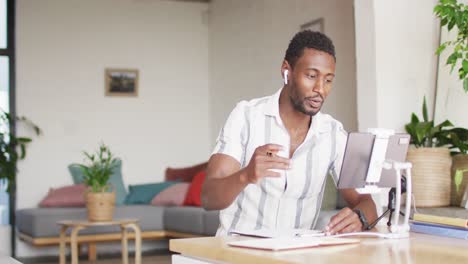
x=77 y=225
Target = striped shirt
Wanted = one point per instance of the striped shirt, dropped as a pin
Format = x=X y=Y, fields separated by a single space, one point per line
x=294 y=199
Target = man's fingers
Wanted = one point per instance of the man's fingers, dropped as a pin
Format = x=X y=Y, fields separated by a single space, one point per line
x=338 y=228
x=353 y=227
x=343 y=213
x=275 y=165
x=339 y=221
x=270 y=149
x=273 y=147
x=270 y=173
x=278 y=159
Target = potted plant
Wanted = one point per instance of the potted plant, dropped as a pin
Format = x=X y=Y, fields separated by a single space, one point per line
x=459 y=145
x=12 y=149
x=453 y=15
x=100 y=196
x=431 y=158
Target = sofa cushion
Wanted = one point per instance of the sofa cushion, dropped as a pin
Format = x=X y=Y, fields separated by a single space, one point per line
x=172 y=196
x=144 y=193
x=66 y=196
x=42 y=222
x=210 y=223
x=184 y=174
x=193 y=197
x=193 y=220
x=115 y=180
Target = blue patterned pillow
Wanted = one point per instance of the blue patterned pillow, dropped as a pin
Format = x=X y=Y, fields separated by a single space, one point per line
x=144 y=193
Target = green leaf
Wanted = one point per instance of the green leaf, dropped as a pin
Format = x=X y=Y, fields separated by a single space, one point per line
x=424 y=110
x=414 y=118
x=465 y=84
x=24 y=140
x=441 y=48
x=422 y=132
x=458 y=179
x=452 y=59
x=23 y=151
x=443 y=22
x=451 y=24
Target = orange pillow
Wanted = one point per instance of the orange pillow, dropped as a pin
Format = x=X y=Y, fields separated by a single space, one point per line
x=193 y=197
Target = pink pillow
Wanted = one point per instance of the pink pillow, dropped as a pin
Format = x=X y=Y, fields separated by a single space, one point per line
x=172 y=196
x=67 y=196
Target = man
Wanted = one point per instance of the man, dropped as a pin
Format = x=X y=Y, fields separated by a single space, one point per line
x=271 y=159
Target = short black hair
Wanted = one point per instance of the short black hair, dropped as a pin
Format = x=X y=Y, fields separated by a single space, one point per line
x=308 y=39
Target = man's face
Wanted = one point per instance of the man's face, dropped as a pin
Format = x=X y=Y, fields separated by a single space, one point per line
x=311 y=81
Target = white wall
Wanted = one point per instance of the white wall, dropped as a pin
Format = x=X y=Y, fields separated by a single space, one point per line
x=366 y=72
x=248 y=39
x=63 y=48
x=396 y=64
x=402 y=48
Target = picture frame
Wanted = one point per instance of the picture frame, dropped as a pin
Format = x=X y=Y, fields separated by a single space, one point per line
x=314 y=25
x=121 y=82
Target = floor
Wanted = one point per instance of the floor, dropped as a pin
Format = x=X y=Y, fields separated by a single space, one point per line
x=159 y=259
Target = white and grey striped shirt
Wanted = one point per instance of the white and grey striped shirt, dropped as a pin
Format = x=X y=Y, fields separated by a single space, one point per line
x=294 y=199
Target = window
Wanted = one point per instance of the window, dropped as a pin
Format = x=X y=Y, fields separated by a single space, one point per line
x=3 y=24
x=7 y=77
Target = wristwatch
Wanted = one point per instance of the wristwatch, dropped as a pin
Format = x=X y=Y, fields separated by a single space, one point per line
x=362 y=218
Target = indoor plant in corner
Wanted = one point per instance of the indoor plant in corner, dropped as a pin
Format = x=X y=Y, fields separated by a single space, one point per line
x=431 y=158
x=453 y=14
x=100 y=196
x=12 y=149
x=457 y=139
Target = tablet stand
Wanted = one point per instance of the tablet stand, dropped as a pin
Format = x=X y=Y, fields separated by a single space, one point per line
x=377 y=163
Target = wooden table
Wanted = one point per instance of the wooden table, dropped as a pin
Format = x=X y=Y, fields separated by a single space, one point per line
x=78 y=225
x=418 y=248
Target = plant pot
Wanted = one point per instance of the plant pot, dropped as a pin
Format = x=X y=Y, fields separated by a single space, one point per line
x=100 y=206
x=460 y=161
x=431 y=176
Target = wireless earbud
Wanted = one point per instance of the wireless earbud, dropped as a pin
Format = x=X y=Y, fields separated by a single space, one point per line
x=285 y=76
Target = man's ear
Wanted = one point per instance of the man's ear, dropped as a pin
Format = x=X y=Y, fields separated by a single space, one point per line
x=285 y=70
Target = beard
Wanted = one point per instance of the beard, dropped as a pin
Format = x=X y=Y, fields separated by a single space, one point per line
x=300 y=104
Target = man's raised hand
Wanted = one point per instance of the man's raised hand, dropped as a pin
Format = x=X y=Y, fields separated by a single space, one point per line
x=263 y=161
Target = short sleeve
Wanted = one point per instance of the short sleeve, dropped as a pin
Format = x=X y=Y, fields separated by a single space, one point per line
x=339 y=138
x=231 y=139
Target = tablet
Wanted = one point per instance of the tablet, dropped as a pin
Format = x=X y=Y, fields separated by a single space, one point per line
x=357 y=157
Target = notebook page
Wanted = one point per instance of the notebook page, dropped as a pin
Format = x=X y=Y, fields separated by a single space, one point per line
x=288 y=243
x=267 y=233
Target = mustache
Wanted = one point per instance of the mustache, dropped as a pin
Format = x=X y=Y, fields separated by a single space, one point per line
x=314 y=97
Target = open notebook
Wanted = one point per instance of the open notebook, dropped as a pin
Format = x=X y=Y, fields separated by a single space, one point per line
x=288 y=243
x=267 y=233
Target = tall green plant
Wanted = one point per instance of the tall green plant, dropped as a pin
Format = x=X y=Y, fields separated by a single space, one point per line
x=12 y=148
x=98 y=169
x=425 y=134
x=451 y=14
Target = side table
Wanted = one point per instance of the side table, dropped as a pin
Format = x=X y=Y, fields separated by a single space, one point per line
x=77 y=225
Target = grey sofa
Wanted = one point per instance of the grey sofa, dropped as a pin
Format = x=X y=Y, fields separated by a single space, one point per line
x=38 y=226
x=42 y=222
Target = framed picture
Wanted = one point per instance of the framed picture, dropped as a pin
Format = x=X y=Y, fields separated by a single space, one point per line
x=314 y=25
x=121 y=82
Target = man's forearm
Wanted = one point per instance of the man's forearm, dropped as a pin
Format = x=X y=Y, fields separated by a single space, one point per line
x=219 y=193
